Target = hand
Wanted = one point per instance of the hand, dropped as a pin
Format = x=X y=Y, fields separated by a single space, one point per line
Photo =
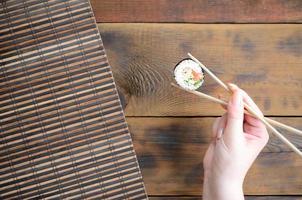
x=237 y=140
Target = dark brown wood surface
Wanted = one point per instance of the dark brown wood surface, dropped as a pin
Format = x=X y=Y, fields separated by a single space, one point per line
x=198 y=11
x=170 y=129
x=265 y=60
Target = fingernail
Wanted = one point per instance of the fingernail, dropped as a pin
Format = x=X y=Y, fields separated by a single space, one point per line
x=236 y=98
x=232 y=86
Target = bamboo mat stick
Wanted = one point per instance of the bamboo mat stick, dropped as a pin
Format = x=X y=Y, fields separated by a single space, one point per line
x=277 y=133
x=250 y=109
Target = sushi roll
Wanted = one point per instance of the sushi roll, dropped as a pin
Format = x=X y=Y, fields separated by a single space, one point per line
x=188 y=74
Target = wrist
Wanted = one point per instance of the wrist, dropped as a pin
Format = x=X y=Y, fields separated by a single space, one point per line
x=222 y=189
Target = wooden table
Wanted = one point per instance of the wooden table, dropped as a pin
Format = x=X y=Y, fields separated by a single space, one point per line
x=256 y=44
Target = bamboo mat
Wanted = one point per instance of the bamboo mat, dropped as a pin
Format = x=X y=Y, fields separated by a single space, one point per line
x=63 y=131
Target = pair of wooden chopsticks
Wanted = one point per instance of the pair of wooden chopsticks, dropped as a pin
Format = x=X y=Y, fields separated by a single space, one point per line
x=249 y=110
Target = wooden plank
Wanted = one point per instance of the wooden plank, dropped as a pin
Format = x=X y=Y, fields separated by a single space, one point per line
x=198 y=11
x=170 y=153
x=246 y=197
x=264 y=60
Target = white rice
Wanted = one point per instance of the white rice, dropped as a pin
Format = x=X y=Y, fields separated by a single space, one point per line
x=183 y=70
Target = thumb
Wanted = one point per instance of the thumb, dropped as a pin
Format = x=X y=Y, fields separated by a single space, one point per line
x=235 y=113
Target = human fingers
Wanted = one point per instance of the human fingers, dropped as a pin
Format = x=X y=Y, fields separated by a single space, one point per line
x=215 y=127
x=219 y=125
x=235 y=113
x=222 y=105
x=249 y=101
x=255 y=136
x=255 y=122
x=252 y=130
x=255 y=127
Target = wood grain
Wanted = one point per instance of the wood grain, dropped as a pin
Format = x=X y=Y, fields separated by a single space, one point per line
x=170 y=152
x=198 y=11
x=264 y=60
